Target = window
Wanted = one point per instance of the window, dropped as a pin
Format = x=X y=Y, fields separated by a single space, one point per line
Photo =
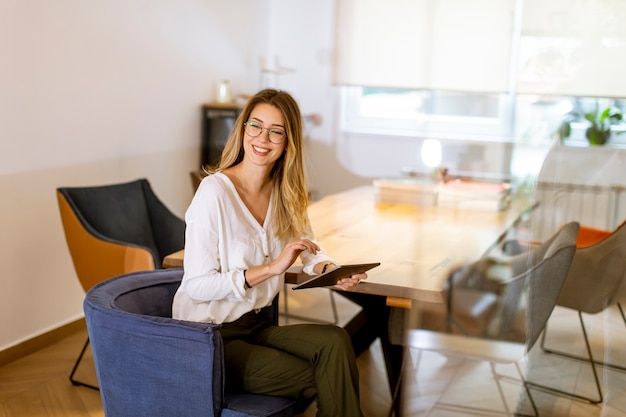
x=399 y=63
x=433 y=114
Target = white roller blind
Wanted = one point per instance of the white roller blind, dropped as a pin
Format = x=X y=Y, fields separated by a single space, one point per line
x=573 y=48
x=458 y=45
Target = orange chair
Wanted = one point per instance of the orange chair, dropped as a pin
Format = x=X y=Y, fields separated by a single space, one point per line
x=116 y=229
x=596 y=281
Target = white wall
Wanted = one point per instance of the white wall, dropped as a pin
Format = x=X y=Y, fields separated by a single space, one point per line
x=96 y=92
x=300 y=34
x=104 y=91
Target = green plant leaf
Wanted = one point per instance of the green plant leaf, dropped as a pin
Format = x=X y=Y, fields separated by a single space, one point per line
x=605 y=113
x=591 y=117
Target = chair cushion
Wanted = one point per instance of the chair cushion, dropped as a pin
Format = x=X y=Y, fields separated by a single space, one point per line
x=589 y=236
x=150 y=301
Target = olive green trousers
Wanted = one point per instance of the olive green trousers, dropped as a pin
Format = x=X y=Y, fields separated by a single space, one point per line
x=302 y=361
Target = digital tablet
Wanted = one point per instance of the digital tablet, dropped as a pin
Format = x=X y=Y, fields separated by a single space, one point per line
x=331 y=277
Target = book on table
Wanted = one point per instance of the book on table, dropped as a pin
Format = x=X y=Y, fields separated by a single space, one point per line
x=474 y=195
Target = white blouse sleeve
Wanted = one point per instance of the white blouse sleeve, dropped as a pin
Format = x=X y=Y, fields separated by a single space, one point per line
x=309 y=260
x=204 y=279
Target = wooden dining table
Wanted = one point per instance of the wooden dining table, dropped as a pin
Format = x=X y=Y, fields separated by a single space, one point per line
x=417 y=247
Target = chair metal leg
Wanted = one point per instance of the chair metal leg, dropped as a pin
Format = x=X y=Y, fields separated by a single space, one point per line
x=589 y=359
x=582 y=358
x=80 y=357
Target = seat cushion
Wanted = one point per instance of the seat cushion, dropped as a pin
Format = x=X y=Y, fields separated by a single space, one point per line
x=589 y=236
x=153 y=300
x=253 y=405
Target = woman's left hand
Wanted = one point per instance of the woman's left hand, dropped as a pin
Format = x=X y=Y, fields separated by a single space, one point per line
x=349 y=283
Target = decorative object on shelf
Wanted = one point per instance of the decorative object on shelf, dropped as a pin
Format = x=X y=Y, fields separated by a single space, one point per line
x=314 y=119
x=310 y=121
x=222 y=92
x=442 y=174
x=270 y=77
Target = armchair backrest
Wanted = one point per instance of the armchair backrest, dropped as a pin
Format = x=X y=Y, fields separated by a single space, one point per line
x=542 y=279
x=118 y=228
x=546 y=279
x=539 y=273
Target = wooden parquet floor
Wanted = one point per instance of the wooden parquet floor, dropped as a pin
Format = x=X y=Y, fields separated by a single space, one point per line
x=38 y=386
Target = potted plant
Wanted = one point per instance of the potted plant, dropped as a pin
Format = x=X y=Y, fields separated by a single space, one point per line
x=599 y=132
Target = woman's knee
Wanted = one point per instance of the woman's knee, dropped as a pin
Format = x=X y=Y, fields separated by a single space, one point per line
x=336 y=337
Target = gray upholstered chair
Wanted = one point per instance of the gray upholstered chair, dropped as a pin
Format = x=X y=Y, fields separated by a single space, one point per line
x=533 y=292
x=595 y=282
x=150 y=365
x=115 y=229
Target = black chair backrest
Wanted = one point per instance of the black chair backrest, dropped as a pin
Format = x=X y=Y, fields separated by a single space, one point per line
x=126 y=213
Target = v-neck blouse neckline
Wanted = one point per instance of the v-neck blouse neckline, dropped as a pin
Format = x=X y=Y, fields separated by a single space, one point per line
x=249 y=214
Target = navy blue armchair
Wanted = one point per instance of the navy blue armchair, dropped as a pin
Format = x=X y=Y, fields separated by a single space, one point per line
x=150 y=365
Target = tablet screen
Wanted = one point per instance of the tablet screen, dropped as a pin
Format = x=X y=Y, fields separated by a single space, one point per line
x=331 y=277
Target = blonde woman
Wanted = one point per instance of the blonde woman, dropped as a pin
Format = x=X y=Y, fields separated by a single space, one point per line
x=246 y=225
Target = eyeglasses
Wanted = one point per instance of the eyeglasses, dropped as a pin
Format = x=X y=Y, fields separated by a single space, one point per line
x=254 y=129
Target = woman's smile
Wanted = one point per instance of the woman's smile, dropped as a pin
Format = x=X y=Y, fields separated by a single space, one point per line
x=259 y=150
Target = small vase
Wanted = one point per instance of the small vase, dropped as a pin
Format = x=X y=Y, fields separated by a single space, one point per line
x=222 y=92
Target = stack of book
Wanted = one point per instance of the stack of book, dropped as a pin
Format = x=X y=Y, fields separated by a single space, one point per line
x=474 y=195
x=415 y=191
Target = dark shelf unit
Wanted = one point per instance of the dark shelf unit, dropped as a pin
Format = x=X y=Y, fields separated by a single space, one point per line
x=218 y=120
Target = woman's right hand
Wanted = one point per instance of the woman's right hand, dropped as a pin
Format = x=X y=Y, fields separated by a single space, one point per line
x=291 y=252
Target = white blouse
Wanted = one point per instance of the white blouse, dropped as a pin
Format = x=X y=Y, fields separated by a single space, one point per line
x=222 y=239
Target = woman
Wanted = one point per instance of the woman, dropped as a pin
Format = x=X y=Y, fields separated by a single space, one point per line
x=246 y=225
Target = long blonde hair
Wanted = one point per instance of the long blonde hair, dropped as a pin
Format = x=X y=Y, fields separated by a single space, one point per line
x=290 y=191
